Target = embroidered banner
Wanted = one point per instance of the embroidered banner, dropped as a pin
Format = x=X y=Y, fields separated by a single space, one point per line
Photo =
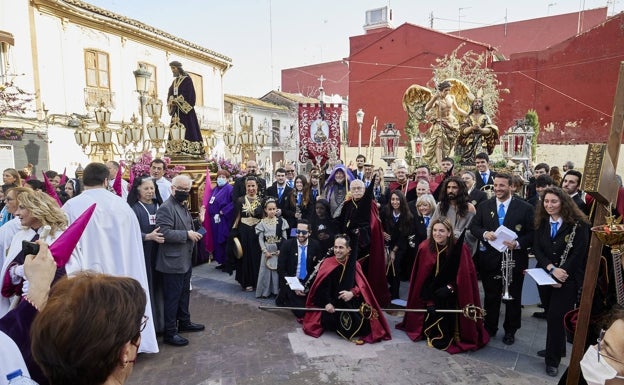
x=319 y=132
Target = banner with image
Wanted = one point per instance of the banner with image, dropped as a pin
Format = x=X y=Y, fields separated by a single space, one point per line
x=319 y=132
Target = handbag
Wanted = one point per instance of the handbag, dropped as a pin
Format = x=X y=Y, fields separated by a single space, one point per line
x=236 y=244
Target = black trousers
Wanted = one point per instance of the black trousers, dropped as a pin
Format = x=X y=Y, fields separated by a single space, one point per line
x=493 y=290
x=561 y=301
x=177 y=290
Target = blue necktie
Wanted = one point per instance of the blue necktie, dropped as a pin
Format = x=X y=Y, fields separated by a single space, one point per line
x=314 y=193
x=553 y=229
x=426 y=221
x=302 y=262
x=298 y=199
x=501 y=214
x=291 y=184
x=280 y=190
x=484 y=177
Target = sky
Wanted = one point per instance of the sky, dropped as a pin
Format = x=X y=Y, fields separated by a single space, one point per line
x=262 y=37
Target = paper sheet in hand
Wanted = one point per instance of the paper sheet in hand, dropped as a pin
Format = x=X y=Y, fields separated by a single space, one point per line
x=502 y=234
x=294 y=283
x=540 y=276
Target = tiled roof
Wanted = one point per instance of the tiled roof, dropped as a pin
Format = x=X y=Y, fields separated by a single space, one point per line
x=249 y=101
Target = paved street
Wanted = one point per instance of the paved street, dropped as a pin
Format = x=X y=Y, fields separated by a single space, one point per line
x=245 y=345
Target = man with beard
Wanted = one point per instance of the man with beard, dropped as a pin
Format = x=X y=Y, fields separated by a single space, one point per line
x=297 y=258
x=516 y=215
x=453 y=204
x=239 y=184
x=181 y=103
x=341 y=284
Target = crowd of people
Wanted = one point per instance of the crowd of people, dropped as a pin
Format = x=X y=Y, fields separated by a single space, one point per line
x=349 y=240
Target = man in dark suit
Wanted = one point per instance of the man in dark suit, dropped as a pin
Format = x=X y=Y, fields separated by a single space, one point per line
x=280 y=191
x=516 y=215
x=174 y=260
x=291 y=263
x=239 y=184
x=571 y=184
x=359 y=171
x=485 y=176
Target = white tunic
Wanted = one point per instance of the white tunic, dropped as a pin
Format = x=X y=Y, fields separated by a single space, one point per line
x=112 y=244
x=164 y=188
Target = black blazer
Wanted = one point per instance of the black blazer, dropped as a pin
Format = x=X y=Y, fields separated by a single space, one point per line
x=289 y=257
x=477 y=196
x=479 y=181
x=549 y=250
x=519 y=218
x=272 y=192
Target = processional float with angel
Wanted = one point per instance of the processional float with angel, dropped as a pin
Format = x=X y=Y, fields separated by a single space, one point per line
x=450 y=125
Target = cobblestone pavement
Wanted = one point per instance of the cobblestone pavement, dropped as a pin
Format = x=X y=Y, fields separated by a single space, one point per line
x=245 y=345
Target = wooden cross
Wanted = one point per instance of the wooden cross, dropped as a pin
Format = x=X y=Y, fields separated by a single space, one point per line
x=599 y=181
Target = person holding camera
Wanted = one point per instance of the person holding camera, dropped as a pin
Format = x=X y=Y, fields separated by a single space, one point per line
x=36 y=211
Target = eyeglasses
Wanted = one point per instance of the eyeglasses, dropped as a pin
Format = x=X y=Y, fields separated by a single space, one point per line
x=302 y=232
x=290 y=171
x=602 y=353
x=182 y=189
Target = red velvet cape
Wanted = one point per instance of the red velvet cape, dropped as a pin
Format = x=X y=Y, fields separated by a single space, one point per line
x=472 y=334
x=312 y=320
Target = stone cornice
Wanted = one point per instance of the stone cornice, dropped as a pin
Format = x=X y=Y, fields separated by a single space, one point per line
x=82 y=13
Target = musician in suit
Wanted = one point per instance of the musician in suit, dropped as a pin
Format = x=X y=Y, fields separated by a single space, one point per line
x=291 y=263
x=516 y=215
x=486 y=176
x=280 y=191
x=560 y=247
x=359 y=171
x=572 y=184
x=174 y=260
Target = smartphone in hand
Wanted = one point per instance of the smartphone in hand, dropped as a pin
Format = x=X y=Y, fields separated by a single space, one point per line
x=30 y=248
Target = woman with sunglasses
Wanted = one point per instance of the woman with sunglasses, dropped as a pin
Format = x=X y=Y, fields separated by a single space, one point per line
x=560 y=247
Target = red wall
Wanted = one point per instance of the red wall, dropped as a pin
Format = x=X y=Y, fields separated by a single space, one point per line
x=304 y=80
x=571 y=85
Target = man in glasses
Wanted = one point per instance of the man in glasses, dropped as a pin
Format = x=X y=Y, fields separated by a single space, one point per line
x=174 y=260
x=298 y=257
x=239 y=184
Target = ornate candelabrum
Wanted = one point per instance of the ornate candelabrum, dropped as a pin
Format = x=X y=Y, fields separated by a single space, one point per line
x=612 y=235
x=389 y=139
x=516 y=144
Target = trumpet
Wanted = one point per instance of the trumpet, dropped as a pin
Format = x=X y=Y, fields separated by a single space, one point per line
x=507 y=266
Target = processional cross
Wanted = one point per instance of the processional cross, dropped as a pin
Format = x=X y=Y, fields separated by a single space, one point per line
x=599 y=180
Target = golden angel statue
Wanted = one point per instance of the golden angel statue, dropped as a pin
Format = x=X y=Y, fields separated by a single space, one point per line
x=443 y=109
x=476 y=133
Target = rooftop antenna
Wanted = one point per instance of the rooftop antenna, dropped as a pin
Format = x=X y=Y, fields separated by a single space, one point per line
x=550 y=5
x=459 y=19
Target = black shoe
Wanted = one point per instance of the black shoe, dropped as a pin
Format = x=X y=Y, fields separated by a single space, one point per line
x=176 y=340
x=540 y=314
x=509 y=338
x=552 y=371
x=190 y=327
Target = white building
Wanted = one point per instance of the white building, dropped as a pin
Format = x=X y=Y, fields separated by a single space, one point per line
x=72 y=56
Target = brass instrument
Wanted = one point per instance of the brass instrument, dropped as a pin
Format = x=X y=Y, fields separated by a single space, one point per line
x=507 y=266
x=489 y=190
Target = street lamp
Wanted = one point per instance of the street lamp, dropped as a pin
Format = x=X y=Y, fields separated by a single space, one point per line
x=417 y=149
x=155 y=128
x=359 y=118
x=141 y=78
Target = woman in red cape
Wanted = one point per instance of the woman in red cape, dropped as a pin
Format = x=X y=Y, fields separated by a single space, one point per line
x=460 y=289
x=359 y=290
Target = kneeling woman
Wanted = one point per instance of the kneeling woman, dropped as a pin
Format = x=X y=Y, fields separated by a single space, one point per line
x=444 y=277
x=341 y=284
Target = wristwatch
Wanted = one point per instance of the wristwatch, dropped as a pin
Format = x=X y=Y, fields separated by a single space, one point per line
x=551 y=270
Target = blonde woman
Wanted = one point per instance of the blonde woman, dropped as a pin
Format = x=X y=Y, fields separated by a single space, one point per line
x=35 y=210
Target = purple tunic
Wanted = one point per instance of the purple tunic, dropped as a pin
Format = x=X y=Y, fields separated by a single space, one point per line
x=220 y=202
